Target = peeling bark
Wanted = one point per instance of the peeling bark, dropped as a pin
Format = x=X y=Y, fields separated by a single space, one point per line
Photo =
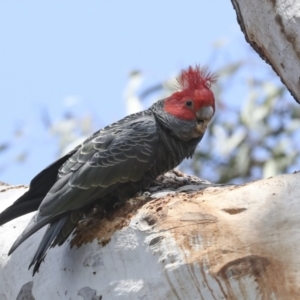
x=188 y=240
x=272 y=28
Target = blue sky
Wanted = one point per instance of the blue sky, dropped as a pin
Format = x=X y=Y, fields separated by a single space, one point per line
x=53 y=50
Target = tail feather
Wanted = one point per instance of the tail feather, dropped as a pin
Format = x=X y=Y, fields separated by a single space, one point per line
x=56 y=234
x=48 y=238
x=31 y=228
x=70 y=224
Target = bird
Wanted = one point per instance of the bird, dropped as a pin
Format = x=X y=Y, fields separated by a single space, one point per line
x=116 y=162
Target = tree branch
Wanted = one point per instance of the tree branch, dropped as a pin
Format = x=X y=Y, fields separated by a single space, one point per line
x=190 y=240
x=272 y=28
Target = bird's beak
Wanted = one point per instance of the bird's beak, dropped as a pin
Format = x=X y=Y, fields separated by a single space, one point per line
x=204 y=115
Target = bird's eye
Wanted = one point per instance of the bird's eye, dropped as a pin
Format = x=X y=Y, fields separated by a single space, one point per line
x=189 y=103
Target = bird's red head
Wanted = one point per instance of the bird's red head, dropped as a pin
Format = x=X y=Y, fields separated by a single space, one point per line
x=194 y=94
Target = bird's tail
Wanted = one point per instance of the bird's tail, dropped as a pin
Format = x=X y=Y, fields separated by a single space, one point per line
x=56 y=234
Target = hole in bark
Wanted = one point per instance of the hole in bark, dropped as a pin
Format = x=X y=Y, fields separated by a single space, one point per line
x=156 y=240
x=26 y=291
x=234 y=211
x=150 y=220
x=249 y=265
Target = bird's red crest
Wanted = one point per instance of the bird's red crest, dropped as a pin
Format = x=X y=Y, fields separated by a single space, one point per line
x=196 y=78
x=193 y=84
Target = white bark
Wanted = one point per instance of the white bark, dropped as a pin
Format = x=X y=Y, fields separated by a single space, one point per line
x=272 y=27
x=225 y=242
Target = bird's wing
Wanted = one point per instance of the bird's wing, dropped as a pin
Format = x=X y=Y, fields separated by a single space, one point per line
x=117 y=154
